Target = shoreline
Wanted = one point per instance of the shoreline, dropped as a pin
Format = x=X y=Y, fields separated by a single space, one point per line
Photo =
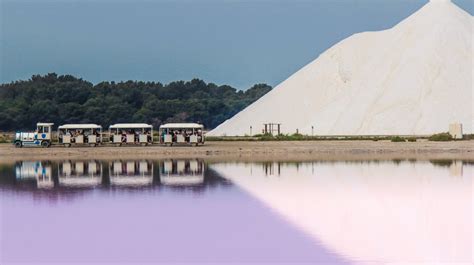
x=256 y=151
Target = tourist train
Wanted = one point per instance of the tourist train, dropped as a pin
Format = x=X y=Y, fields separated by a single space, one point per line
x=118 y=134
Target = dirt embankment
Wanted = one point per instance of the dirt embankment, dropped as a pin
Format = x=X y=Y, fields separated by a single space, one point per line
x=256 y=151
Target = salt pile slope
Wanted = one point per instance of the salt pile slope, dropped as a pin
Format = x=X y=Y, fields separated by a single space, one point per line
x=415 y=78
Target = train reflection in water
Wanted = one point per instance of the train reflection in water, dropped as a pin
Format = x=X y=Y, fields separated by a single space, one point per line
x=90 y=174
x=131 y=173
x=80 y=173
x=182 y=172
x=37 y=172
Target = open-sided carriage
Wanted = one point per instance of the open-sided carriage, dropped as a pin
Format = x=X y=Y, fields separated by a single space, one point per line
x=80 y=134
x=131 y=133
x=182 y=133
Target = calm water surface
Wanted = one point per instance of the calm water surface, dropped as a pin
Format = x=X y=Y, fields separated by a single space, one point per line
x=191 y=211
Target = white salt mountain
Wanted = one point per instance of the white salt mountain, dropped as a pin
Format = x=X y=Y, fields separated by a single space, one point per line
x=415 y=78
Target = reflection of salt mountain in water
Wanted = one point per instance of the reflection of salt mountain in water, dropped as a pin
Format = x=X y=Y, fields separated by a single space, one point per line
x=415 y=78
x=410 y=212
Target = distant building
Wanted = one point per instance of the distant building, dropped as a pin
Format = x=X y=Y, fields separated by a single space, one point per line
x=455 y=130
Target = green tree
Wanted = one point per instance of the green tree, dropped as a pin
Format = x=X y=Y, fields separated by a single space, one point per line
x=66 y=99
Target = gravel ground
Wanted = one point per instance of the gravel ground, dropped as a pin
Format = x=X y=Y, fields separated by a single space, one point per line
x=256 y=151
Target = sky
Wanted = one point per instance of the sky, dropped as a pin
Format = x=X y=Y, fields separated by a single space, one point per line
x=234 y=42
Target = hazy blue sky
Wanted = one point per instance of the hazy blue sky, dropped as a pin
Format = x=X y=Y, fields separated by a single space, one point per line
x=239 y=43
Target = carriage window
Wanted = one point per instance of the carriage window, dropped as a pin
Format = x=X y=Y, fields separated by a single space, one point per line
x=40 y=129
x=46 y=129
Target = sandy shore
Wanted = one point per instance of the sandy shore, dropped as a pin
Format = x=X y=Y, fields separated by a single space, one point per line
x=256 y=151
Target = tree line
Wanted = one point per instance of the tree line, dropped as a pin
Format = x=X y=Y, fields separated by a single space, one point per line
x=66 y=99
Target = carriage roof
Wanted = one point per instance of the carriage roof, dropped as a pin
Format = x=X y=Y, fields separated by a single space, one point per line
x=80 y=126
x=130 y=126
x=181 y=126
x=44 y=124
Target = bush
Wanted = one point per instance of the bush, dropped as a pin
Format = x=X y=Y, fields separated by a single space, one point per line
x=397 y=139
x=411 y=139
x=266 y=137
x=441 y=137
x=5 y=139
x=293 y=137
x=468 y=137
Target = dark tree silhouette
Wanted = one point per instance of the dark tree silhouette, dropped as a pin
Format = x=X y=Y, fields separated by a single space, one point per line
x=67 y=99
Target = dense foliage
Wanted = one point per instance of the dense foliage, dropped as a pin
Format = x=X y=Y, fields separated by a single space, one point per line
x=397 y=139
x=67 y=99
x=441 y=137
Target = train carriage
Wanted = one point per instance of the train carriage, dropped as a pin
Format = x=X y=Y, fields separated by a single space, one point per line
x=182 y=133
x=131 y=133
x=80 y=134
